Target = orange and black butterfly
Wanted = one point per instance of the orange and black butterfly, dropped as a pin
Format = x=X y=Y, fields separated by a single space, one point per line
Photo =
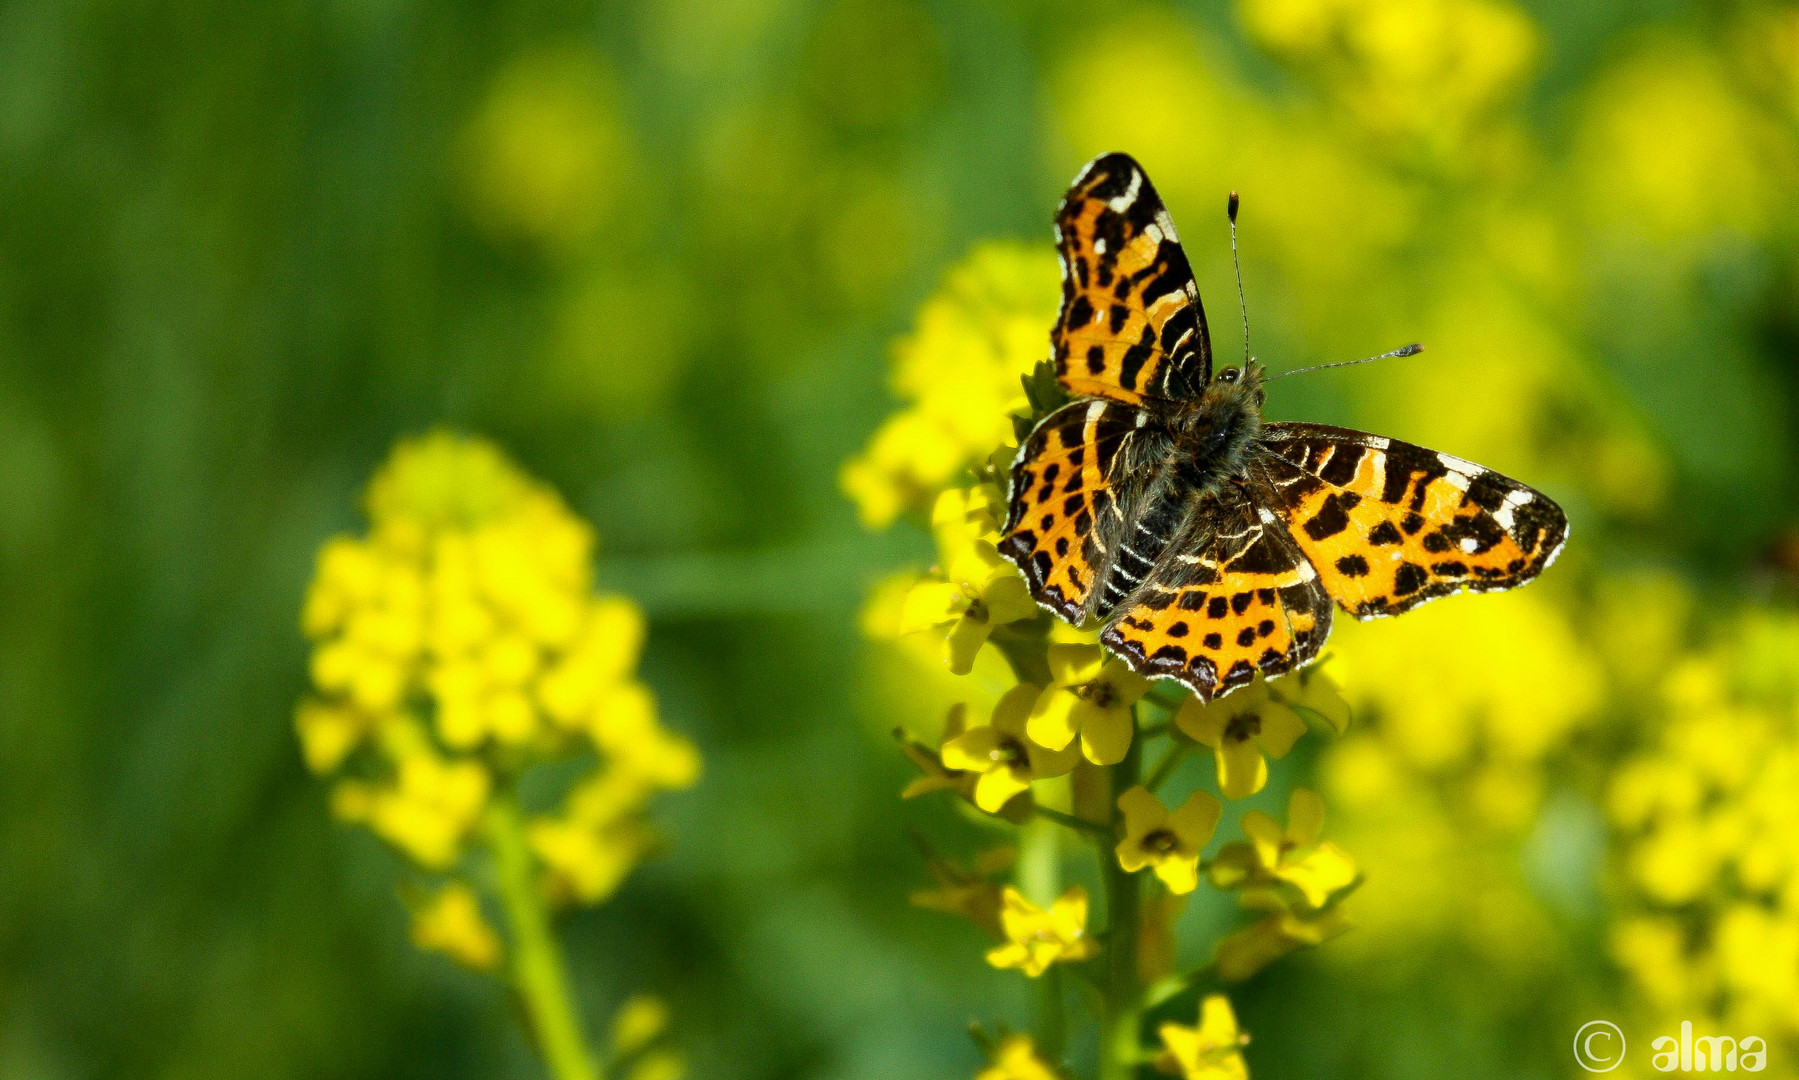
x=1212 y=543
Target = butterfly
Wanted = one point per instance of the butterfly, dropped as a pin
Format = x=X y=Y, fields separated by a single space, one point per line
x=1212 y=544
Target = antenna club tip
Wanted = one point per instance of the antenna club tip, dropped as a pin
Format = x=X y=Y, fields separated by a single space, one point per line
x=1409 y=350
x=1231 y=207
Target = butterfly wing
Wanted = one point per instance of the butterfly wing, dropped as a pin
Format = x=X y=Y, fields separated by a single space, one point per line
x=1389 y=525
x=1230 y=596
x=1063 y=520
x=1131 y=325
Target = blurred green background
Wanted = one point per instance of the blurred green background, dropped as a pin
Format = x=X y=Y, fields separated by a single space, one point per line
x=660 y=251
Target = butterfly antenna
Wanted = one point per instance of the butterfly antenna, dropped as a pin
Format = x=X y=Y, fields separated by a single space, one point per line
x=1404 y=350
x=1242 y=308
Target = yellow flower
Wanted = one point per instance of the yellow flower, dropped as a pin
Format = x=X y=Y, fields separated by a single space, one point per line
x=1312 y=689
x=1295 y=855
x=637 y=1023
x=1211 y=1051
x=660 y=1065
x=958 y=371
x=1169 y=842
x=1275 y=935
x=980 y=589
x=937 y=776
x=586 y=862
x=968 y=892
x=1016 y=1059
x=430 y=808
x=1240 y=729
x=1035 y=938
x=1002 y=754
x=328 y=733
x=451 y=923
x=1090 y=695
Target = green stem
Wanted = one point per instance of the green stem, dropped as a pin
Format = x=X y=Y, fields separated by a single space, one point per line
x=1080 y=824
x=1165 y=768
x=537 y=970
x=1052 y=1018
x=1120 y=1008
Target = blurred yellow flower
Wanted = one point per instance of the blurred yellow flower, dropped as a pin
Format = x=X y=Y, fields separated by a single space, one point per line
x=1312 y=690
x=969 y=892
x=1015 y=1058
x=979 y=590
x=1241 y=728
x=1295 y=855
x=1276 y=934
x=959 y=372
x=430 y=808
x=547 y=155
x=1705 y=819
x=1088 y=695
x=1422 y=68
x=658 y=1065
x=451 y=923
x=638 y=1022
x=1002 y=755
x=1211 y=1051
x=1036 y=938
x=1168 y=841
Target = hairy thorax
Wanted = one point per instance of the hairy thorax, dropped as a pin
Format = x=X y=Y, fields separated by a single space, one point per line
x=1211 y=437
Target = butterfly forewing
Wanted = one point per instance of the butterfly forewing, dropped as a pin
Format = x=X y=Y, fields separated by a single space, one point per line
x=1063 y=521
x=1131 y=326
x=1389 y=525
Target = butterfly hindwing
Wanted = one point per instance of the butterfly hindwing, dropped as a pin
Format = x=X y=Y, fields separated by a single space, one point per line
x=1131 y=325
x=1390 y=525
x=1229 y=597
x=1062 y=521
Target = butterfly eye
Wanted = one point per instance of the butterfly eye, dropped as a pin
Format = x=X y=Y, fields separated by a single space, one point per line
x=1228 y=375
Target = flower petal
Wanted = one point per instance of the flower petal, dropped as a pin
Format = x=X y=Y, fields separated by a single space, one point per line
x=930 y=603
x=1014 y=708
x=1069 y=913
x=1241 y=770
x=972 y=751
x=1179 y=873
x=1143 y=812
x=1007 y=597
x=1325 y=870
x=1305 y=817
x=1105 y=733
x=1072 y=665
x=1202 y=723
x=1052 y=722
x=1265 y=833
x=1281 y=728
x=1046 y=762
x=996 y=787
x=1126 y=684
x=966 y=636
x=1195 y=820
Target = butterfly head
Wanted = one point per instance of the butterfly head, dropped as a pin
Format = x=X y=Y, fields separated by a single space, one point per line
x=1214 y=432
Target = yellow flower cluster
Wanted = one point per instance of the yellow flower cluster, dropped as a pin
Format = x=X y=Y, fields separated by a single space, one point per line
x=459 y=642
x=958 y=371
x=1469 y=704
x=1411 y=67
x=1707 y=831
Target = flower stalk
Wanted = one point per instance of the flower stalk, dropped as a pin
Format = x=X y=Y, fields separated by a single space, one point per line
x=1121 y=1004
x=538 y=973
